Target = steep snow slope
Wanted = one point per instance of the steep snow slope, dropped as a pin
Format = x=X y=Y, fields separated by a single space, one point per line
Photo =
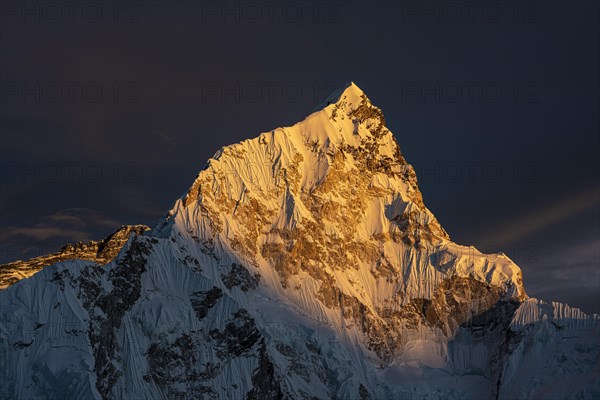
x=299 y=264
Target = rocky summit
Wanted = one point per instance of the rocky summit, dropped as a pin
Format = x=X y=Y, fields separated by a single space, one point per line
x=301 y=264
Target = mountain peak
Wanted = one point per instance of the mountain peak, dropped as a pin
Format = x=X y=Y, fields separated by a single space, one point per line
x=350 y=90
x=331 y=193
x=348 y=121
x=300 y=264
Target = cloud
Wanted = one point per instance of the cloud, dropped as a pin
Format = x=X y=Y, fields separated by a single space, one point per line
x=571 y=275
x=134 y=198
x=545 y=217
x=75 y=224
x=42 y=233
x=164 y=139
x=578 y=262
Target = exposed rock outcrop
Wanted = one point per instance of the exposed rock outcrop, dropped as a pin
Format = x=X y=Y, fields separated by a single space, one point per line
x=99 y=252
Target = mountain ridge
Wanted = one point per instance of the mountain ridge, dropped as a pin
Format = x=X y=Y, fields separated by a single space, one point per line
x=299 y=264
x=100 y=251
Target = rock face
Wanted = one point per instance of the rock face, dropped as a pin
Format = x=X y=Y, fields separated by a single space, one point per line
x=100 y=252
x=300 y=264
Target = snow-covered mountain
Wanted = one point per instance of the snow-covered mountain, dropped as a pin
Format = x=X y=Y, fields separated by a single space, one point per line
x=300 y=264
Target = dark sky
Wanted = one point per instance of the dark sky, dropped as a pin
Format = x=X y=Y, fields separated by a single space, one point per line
x=109 y=110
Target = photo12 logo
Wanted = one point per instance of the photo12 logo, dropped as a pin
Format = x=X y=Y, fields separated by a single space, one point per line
x=265 y=91
x=469 y=12
x=518 y=251
x=477 y=172
x=470 y=92
x=69 y=92
x=69 y=172
x=272 y=12
x=69 y=12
